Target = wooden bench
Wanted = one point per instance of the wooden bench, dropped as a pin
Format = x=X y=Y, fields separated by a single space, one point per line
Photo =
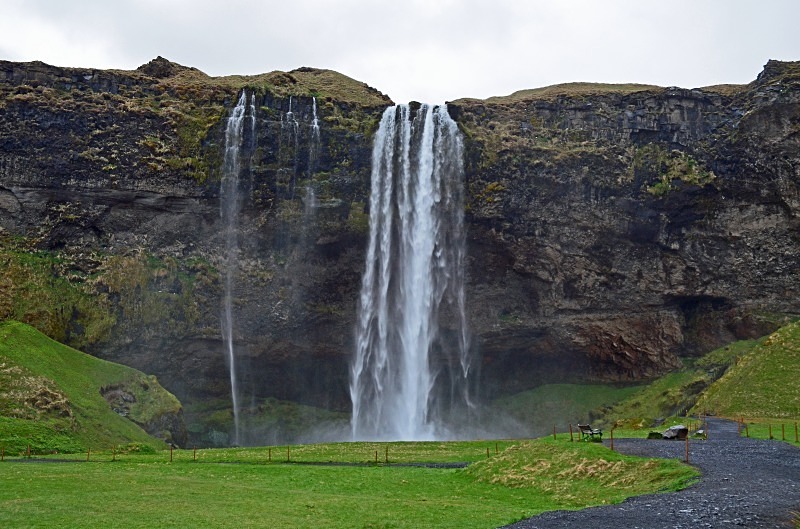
x=590 y=434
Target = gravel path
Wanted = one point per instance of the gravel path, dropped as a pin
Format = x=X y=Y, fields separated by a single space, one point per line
x=745 y=483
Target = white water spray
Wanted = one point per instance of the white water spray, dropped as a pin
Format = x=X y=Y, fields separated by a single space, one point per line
x=313 y=159
x=314 y=120
x=407 y=380
x=230 y=206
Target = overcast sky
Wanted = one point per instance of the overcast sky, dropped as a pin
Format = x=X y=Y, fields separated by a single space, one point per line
x=424 y=50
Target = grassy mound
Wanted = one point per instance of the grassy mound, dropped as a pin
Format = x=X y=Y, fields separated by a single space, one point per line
x=673 y=394
x=51 y=397
x=579 y=474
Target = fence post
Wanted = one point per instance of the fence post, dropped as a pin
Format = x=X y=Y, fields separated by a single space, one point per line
x=612 y=438
x=687 y=449
x=770 y=431
x=288 y=457
x=796 y=440
x=386 y=459
x=88 y=451
x=194 y=454
x=571 y=439
x=783 y=432
x=170 y=452
x=554 y=431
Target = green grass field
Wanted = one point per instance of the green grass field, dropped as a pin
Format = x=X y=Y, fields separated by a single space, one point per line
x=240 y=488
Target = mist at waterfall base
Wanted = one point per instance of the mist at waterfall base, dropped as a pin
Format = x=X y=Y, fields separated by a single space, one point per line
x=254 y=417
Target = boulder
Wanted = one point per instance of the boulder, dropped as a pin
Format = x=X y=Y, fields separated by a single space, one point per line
x=678 y=432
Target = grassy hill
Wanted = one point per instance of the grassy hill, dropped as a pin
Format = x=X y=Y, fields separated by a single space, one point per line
x=763 y=383
x=754 y=379
x=52 y=397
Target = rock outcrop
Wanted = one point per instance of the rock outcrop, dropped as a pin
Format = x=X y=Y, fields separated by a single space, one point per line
x=612 y=229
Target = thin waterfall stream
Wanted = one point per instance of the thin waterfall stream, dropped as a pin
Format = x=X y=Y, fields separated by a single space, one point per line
x=230 y=207
x=313 y=159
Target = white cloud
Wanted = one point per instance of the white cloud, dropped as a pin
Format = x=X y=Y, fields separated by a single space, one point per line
x=29 y=36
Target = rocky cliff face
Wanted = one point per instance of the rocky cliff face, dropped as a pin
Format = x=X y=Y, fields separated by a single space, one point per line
x=612 y=229
x=617 y=228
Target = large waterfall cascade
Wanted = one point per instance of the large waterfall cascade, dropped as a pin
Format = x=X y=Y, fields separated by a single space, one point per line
x=230 y=206
x=410 y=375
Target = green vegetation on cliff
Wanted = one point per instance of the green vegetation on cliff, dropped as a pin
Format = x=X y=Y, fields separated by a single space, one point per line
x=754 y=379
x=39 y=288
x=183 y=108
x=53 y=291
x=654 y=163
x=52 y=397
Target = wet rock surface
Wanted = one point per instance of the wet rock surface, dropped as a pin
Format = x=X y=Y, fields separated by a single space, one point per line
x=744 y=483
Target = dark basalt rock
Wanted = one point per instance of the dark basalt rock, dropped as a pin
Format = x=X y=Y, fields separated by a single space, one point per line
x=161 y=68
x=622 y=229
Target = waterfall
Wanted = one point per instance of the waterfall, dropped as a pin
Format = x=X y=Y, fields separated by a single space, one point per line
x=313 y=159
x=409 y=378
x=229 y=209
x=314 y=120
x=291 y=127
